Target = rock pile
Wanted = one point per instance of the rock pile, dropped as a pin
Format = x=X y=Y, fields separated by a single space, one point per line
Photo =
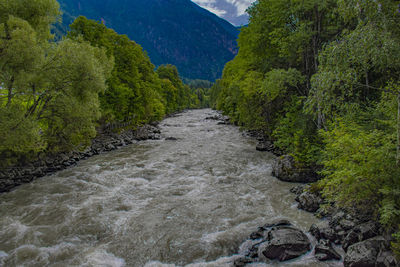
x=361 y=238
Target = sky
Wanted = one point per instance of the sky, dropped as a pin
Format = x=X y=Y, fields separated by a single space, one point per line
x=233 y=11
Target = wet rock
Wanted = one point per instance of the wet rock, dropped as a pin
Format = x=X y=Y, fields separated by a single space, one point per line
x=324 y=251
x=242 y=261
x=309 y=201
x=323 y=230
x=387 y=259
x=265 y=146
x=347 y=224
x=297 y=190
x=214 y=117
x=145 y=132
x=256 y=235
x=365 y=253
x=249 y=248
x=284 y=243
x=279 y=222
x=359 y=233
x=170 y=138
x=285 y=169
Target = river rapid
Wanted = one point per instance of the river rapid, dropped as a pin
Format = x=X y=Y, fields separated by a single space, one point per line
x=189 y=201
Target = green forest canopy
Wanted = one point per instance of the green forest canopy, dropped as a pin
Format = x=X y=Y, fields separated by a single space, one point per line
x=322 y=80
x=55 y=93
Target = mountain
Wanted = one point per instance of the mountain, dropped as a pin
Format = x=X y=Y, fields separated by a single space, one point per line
x=233 y=11
x=177 y=32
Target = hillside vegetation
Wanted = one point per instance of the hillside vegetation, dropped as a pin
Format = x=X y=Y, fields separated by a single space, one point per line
x=55 y=94
x=176 y=32
x=322 y=80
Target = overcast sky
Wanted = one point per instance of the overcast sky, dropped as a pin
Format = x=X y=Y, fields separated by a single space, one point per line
x=231 y=10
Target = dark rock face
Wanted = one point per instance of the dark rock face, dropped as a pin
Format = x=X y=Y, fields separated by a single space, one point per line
x=387 y=259
x=242 y=261
x=47 y=164
x=221 y=119
x=359 y=233
x=273 y=241
x=364 y=254
x=309 y=201
x=284 y=243
x=324 y=251
x=284 y=169
x=265 y=146
x=323 y=230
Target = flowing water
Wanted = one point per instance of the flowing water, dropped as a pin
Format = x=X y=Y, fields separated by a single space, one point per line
x=154 y=203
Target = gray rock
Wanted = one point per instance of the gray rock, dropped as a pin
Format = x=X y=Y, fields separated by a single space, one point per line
x=279 y=222
x=309 y=201
x=249 y=248
x=324 y=251
x=387 y=259
x=359 y=233
x=323 y=230
x=347 y=224
x=298 y=190
x=284 y=243
x=265 y=146
x=365 y=253
x=242 y=261
x=285 y=169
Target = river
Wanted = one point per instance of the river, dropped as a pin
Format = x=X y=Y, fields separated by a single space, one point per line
x=153 y=203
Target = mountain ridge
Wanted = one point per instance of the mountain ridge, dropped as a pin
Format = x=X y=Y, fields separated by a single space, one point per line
x=177 y=32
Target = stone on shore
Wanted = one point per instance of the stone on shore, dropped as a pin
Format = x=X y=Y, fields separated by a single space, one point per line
x=285 y=169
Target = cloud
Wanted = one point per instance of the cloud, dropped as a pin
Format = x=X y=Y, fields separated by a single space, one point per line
x=241 y=5
x=228 y=9
x=210 y=6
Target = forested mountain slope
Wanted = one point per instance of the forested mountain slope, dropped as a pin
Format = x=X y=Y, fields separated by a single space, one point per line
x=174 y=32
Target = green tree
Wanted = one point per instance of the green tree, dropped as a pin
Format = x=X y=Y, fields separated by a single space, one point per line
x=49 y=99
x=133 y=91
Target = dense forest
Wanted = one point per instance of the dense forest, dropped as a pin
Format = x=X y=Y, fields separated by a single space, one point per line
x=54 y=94
x=321 y=79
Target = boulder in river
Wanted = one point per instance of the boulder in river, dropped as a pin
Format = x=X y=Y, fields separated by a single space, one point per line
x=275 y=241
x=323 y=230
x=285 y=169
x=324 y=251
x=284 y=243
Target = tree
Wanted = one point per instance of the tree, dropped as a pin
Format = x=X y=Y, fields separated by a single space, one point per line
x=50 y=96
x=133 y=91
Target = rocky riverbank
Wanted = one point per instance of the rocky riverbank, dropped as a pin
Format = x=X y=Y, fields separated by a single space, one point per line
x=354 y=238
x=48 y=164
x=363 y=240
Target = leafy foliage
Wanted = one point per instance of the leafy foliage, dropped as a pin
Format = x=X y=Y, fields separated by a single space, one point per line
x=321 y=78
x=54 y=94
